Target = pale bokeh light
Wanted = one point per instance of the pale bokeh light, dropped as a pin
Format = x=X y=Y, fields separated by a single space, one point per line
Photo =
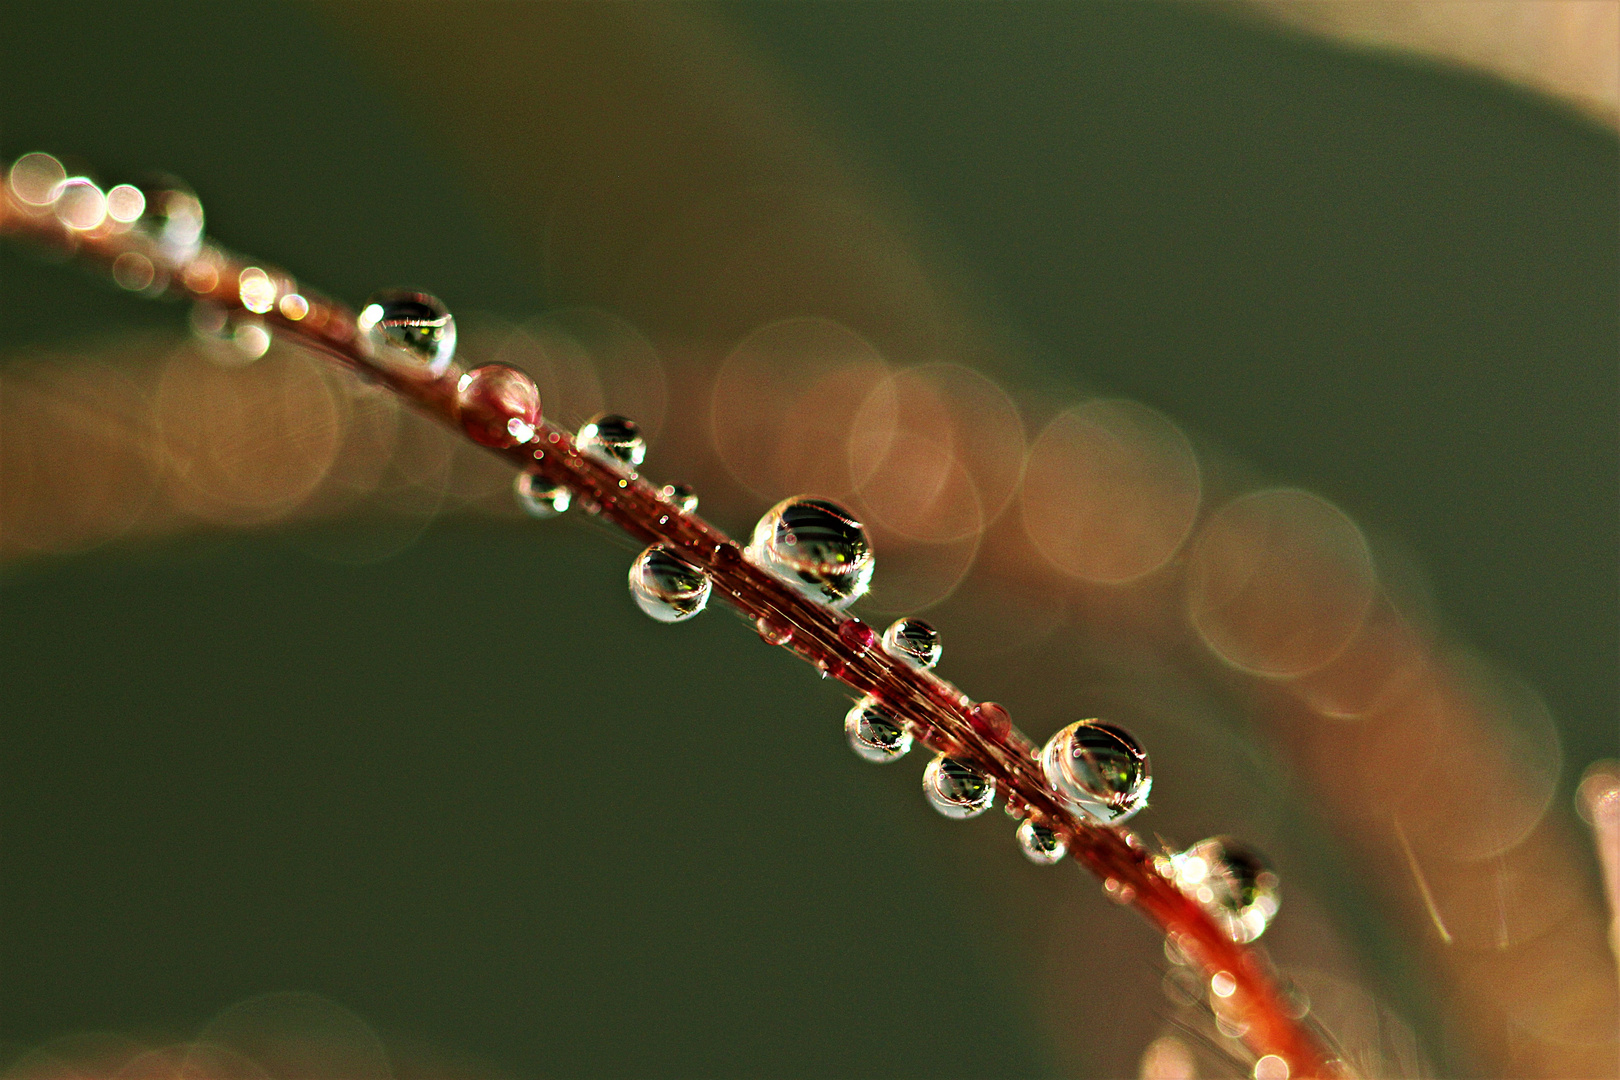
x=784 y=403
x=1111 y=491
x=133 y=271
x=36 y=178
x=1167 y=1058
x=257 y=291
x=935 y=452
x=79 y=204
x=1381 y=660
x=1279 y=583
x=293 y=307
x=125 y=203
x=246 y=445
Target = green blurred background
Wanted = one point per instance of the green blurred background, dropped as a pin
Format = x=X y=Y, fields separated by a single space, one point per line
x=474 y=796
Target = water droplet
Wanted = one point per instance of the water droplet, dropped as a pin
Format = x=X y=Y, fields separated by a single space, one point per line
x=773 y=633
x=173 y=218
x=990 y=720
x=1040 y=845
x=858 y=636
x=815 y=546
x=1118 y=891
x=666 y=586
x=913 y=641
x=1221 y=984
x=1099 y=770
x=875 y=733
x=1232 y=882
x=684 y=498
x=498 y=405
x=958 y=788
x=229 y=339
x=539 y=497
x=612 y=439
x=411 y=324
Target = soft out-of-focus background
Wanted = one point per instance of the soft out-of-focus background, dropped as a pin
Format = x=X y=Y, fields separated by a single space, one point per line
x=397 y=751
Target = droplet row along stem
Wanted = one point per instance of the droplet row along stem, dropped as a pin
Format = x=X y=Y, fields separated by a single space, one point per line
x=939 y=714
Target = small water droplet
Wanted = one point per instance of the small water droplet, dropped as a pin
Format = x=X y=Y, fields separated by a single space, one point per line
x=1118 y=891
x=875 y=733
x=666 y=586
x=913 y=641
x=773 y=633
x=230 y=339
x=684 y=498
x=1099 y=770
x=958 y=788
x=172 y=216
x=990 y=720
x=498 y=405
x=816 y=547
x=1221 y=984
x=1231 y=881
x=1040 y=845
x=612 y=439
x=418 y=327
x=858 y=636
x=539 y=497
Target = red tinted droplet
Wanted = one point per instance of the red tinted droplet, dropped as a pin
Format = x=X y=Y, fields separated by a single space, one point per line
x=857 y=635
x=990 y=720
x=499 y=405
x=773 y=633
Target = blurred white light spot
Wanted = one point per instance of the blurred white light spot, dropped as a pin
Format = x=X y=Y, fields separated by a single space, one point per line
x=125 y=203
x=1271 y=1067
x=80 y=204
x=1221 y=984
x=35 y=179
x=257 y=291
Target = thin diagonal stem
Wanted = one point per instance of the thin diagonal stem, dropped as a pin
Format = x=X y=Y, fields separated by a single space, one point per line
x=935 y=711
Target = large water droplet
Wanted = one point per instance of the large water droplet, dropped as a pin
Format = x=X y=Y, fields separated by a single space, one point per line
x=1099 y=770
x=666 y=586
x=613 y=439
x=1231 y=881
x=498 y=405
x=957 y=788
x=539 y=497
x=913 y=641
x=875 y=733
x=1040 y=845
x=411 y=324
x=815 y=546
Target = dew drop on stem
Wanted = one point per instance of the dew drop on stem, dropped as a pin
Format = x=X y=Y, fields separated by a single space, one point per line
x=666 y=586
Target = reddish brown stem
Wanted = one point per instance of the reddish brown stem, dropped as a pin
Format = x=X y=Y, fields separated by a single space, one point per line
x=839 y=645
